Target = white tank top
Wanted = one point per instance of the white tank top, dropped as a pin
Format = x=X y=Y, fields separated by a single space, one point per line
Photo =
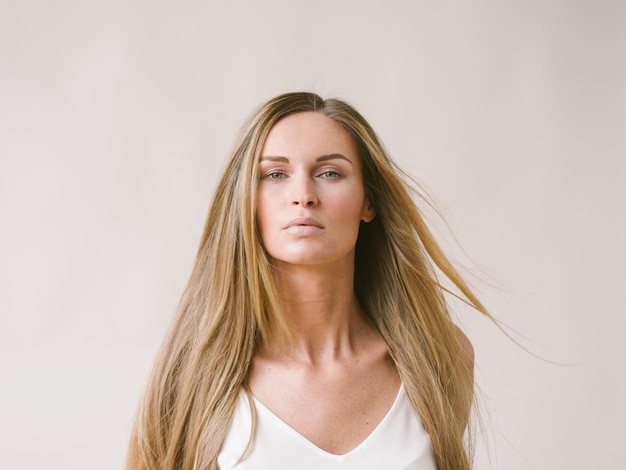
x=398 y=442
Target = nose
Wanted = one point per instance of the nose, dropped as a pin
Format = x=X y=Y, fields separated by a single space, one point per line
x=303 y=193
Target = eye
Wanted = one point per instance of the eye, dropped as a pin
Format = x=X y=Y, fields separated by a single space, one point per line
x=330 y=175
x=275 y=175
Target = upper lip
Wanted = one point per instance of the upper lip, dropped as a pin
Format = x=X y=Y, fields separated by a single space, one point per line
x=304 y=221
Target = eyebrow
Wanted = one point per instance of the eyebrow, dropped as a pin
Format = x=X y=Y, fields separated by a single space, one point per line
x=321 y=158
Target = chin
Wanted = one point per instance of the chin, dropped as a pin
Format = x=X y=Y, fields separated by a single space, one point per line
x=313 y=259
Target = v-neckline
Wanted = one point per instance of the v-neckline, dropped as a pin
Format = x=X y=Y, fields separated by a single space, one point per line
x=300 y=437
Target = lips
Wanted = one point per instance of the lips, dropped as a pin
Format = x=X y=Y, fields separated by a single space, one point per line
x=304 y=221
x=304 y=226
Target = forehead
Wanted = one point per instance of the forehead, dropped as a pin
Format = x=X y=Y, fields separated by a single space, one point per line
x=308 y=134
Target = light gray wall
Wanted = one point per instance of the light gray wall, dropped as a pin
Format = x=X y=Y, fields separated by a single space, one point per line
x=116 y=118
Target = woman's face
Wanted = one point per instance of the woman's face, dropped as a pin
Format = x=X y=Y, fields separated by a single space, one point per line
x=311 y=197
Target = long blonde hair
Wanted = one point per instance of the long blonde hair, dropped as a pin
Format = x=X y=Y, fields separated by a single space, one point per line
x=230 y=304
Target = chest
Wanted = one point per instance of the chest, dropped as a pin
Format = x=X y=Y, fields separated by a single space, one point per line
x=335 y=409
x=399 y=441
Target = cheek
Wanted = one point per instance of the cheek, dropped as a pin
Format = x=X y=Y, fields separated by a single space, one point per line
x=267 y=210
x=349 y=207
x=264 y=208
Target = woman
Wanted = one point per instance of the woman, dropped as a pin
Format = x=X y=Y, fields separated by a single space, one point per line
x=313 y=332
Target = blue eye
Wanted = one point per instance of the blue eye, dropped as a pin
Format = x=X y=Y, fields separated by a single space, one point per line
x=330 y=175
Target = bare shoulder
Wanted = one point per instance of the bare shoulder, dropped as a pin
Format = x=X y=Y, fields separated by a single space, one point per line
x=466 y=346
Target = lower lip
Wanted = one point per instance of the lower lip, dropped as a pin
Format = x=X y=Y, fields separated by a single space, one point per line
x=304 y=230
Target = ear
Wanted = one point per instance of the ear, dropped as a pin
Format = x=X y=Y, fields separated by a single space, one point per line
x=368 y=212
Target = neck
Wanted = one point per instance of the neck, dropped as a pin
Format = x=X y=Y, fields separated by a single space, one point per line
x=320 y=309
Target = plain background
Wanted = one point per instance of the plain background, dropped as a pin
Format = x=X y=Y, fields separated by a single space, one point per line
x=116 y=119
